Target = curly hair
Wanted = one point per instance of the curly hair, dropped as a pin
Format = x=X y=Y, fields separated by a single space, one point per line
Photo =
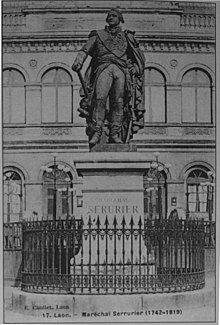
x=121 y=19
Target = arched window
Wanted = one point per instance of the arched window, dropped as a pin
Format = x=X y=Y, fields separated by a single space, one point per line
x=56 y=96
x=155 y=96
x=14 y=96
x=62 y=194
x=196 y=97
x=13 y=197
x=200 y=192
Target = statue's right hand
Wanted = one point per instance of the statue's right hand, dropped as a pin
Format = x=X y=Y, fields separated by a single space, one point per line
x=77 y=65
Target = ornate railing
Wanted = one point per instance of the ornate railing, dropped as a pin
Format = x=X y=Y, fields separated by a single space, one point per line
x=113 y=256
x=195 y=20
x=210 y=233
x=12 y=236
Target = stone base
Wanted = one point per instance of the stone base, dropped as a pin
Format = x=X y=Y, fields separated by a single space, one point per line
x=46 y=308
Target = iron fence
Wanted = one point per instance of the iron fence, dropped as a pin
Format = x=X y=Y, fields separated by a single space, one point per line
x=12 y=236
x=113 y=256
x=210 y=235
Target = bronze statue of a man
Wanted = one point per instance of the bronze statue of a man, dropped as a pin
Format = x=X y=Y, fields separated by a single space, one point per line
x=116 y=71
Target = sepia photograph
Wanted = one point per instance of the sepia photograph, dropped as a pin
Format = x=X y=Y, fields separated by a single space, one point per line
x=109 y=162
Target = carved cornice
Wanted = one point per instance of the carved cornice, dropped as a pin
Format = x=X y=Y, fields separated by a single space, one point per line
x=38 y=7
x=147 y=45
x=67 y=5
x=192 y=15
x=188 y=46
x=194 y=21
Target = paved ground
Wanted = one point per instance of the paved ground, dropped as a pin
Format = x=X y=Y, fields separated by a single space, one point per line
x=197 y=306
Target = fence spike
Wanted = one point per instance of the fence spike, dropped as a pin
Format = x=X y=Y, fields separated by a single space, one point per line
x=140 y=223
x=115 y=221
x=106 y=221
x=90 y=221
x=132 y=221
x=123 y=221
x=98 y=221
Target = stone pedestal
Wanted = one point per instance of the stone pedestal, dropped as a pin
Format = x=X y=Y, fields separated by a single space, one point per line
x=113 y=192
x=112 y=184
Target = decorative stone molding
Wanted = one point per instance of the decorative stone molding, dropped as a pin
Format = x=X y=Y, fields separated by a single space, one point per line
x=197 y=131
x=13 y=19
x=192 y=15
x=12 y=131
x=173 y=63
x=67 y=6
x=55 y=131
x=190 y=6
x=154 y=130
x=178 y=46
x=33 y=46
x=197 y=21
x=33 y=63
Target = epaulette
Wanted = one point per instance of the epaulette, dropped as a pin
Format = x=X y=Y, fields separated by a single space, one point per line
x=93 y=33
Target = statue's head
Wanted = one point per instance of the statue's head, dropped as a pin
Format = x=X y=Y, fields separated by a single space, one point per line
x=114 y=17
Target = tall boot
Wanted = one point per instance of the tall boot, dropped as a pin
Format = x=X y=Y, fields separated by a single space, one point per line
x=98 y=118
x=97 y=134
x=116 y=123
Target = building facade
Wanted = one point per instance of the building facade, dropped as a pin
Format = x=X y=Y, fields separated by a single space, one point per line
x=41 y=97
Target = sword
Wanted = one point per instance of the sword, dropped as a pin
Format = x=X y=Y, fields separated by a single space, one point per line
x=83 y=83
x=132 y=116
x=82 y=111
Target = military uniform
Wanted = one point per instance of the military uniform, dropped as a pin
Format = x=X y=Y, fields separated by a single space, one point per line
x=108 y=76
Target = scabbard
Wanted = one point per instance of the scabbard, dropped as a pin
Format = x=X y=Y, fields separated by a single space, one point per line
x=83 y=83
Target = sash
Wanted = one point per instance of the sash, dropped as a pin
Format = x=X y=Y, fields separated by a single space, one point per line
x=117 y=45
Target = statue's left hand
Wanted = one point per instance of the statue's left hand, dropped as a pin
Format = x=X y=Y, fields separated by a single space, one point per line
x=133 y=69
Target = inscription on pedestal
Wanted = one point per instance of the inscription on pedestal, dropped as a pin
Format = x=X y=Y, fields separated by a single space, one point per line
x=108 y=203
x=113 y=206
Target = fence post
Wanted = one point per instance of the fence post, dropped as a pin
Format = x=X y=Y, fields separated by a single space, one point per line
x=98 y=251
